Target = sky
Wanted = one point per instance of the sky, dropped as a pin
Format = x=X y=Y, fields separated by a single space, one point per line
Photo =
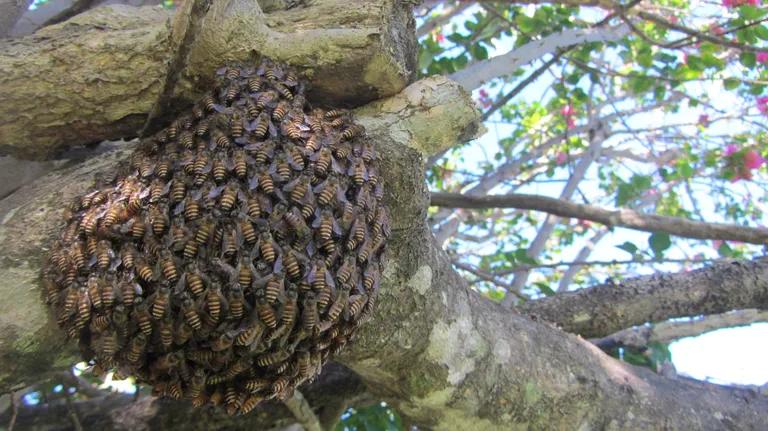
x=726 y=356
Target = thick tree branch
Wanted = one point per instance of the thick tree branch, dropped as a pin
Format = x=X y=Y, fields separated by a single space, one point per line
x=475 y=75
x=302 y=411
x=607 y=308
x=618 y=218
x=666 y=332
x=102 y=71
x=442 y=355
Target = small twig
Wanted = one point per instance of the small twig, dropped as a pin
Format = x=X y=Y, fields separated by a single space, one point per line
x=72 y=412
x=490 y=278
x=620 y=217
x=303 y=412
x=14 y=411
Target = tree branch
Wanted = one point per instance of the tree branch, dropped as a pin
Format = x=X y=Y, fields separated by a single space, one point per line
x=607 y=308
x=475 y=75
x=666 y=332
x=10 y=12
x=111 y=64
x=619 y=218
x=301 y=409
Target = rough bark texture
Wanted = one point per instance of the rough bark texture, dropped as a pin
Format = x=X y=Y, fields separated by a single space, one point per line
x=10 y=12
x=604 y=309
x=96 y=76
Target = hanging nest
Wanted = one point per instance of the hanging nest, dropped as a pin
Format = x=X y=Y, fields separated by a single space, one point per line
x=236 y=252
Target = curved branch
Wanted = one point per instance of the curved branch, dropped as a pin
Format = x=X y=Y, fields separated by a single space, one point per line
x=666 y=332
x=607 y=308
x=619 y=218
x=302 y=411
x=474 y=76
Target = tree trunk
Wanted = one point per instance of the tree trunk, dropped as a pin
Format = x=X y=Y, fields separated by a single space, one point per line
x=442 y=355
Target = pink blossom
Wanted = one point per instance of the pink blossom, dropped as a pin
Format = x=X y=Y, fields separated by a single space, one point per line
x=673 y=19
x=566 y=110
x=762 y=105
x=440 y=38
x=561 y=158
x=482 y=92
x=762 y=57
x=704 y=120
x=717 y=243
x=753 y=160
x=735 y=3
x=730 y=149
x=716 y=29
x=570 y=122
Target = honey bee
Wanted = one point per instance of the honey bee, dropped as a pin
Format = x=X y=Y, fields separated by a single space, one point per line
x=291 y=130
x=236 y=302
x=248 y=232
x=178 y=191
x=236 y=127
x=341 y=300
x=352 y=132
x=291 y=263
x=283 y=90
x=144 y=271
x=120 y=321
x=326 y=225
x=274 y=287
x=187 y=139
x=191 y=248
x=213 y=301
x=104 y=254
x=158 y=220
x=115 y=214
x=262 y=152
x=326 y=191
x=265 y=311
x=190 y=314
x=195 y=283
x=229 y=246
x=365 y=252
x=267 y=247
x=196 y=384
x=254 y=84
x=83 y=315
x=231 y=93
x=191 y=209
x=269 y=359
x=358 y=172
x=266 y=184
x=344 y=274
x=203 y=233
x=90 y=221
x=77 y=255
x=333 y=113
x=336 y=122
x=128 y=291
x=357 y=233
x=290 y=305
x=239 y=164
x=228 y=198
x=136 y=347
x=296 y=222
x=309 y=314
x=250 y=403
x=356 y=304
x=166 y=332
x=280 y=110
x=142 y=316
x=161 y=303
x=250 y=335
x=264 y=99
x=108 y=293
x=221 y=140
x=219 y=170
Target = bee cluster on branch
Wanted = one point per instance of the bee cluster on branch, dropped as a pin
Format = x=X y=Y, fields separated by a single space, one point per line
x=236 y=252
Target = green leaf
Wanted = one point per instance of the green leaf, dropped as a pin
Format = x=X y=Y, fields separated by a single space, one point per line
x=731 y=83
x=525 y=23
x=425 y=59
x=761 y=31
x=659 y=242
x=628 y=247
x=747 y=59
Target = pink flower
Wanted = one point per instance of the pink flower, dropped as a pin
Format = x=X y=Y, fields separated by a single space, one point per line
x=762 y=105
x=730 y=149
x=566 y=110
x=440 y=38
x=735 y=3
x=753 y=160
x=482 y=92
x=762 y=57
x=717 y=243
x=570 y=122
x=716 y=29
x=704 y=120
x=561 y=158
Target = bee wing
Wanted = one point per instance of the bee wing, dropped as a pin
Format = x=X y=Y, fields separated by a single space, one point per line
x=272 y=129
x=311 y=250
x=179 y=208
x=216 y=191
x=253 y=182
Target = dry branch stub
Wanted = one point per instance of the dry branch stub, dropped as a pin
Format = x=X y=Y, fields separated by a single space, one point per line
x=236 y=252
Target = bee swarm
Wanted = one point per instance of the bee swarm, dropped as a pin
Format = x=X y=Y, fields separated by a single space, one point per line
x=236 y=252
